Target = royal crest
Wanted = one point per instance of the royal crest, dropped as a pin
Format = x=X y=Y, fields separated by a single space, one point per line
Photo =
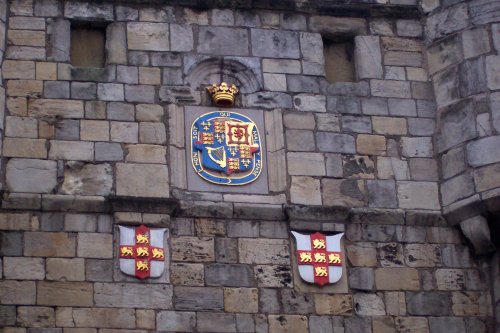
x=319 y=257
x=226 y=148
x=141 y=251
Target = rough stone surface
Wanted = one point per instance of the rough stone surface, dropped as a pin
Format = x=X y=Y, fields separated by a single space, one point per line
x=28 y=175
x=142 y=180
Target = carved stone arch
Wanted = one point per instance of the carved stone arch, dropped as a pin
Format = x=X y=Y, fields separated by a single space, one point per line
x=243 y=72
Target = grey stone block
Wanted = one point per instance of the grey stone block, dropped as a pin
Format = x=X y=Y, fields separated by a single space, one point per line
x=457 y=188
x=423 y=169
x=138 y=58
x=483 y=151
x=428 y=303
x=121 y=111
x=52 y=222
x=495 y=110
x=7 y=315
x=455 y=255
x=116 y=43
x=362 y=278
x=59 y=32
x=230 y=275
x=98 y=270
x=482 y=12
x=11 y=244
x=269 y=100
x=29 y=175
x=344 y=105
x=47 y=8
x=176 y=321
x=368 y=58
x=382 y=193
x=356 y=124
x=453 y=162
x=458 y=124
x=247 y=19
x=446 y=22
x=56 y=89
x=295 y=302
x=374 y=106
x=300 y=140
x=335 y=143
x=358 y=325
x=89 y=11
x=127 y=74
x=133 y=295
x=402 y=107
x=421 y=127
x=83 y=90
x=216 y=322
x=448 y=52
x=68 y=129
x=361 y=89
x=223 y=41
x=243 y=229
x=446 y=87
x=108 y=151
x=292 y=21
x=140 y=94
x=321 y=324
x=198 y=298
x=182 y=38
x=426 y=109
x=172 y=76
x=275 y=43
x=303 y=83
x=124 y=13
x=269 y=300
x=472 y=77
x=226 y=250
x=166 y=59
x=379 y=233
x=449 y=324
x=408 y=28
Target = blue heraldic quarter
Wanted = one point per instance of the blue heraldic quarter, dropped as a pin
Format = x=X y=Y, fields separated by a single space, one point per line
x=226 y=148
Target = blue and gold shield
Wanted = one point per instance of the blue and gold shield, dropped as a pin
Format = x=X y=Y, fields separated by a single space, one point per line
x=226 y=148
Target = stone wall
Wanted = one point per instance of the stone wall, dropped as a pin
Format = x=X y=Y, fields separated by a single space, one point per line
x=88 y=149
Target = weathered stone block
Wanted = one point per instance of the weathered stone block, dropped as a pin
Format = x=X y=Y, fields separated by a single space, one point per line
x=27 y=175
x=49 y=244
x=148 y=36
x=412 y=324
x=16 y=268
x=335 y=143
x=368 y=58
x=264 y=251
x=133 y=295
x=382 y=193
x=223 y=41
x=229 y=275
x=305 y=190
x=71 y=150
x=193 y=249
x=176 y=321
x=333 y=305
x=446 y=22
x=369 y=304
x=87 y=179
x=89 y=11
x=388 y=88
x=288 y=323
x=417 y=147
x=397 y=278
x=429 y=304
x=95 y=245
x=65 y=293
x=18 y=292
x=108 y=151
x=153 y=133
x=483 y=151
x=187 y=274
x=315 y=165
x=35 y=316
x=285 y=44
x=98 y=270
x=347 y=192
x=142 y=180
x=402 y=107
x=418 y=195
x=371 y=144
x=146 y=154
x=243 y=300
x=104 y=318
x=487 y=177
x=334 y=26
x=116 y=43
x=198 y=298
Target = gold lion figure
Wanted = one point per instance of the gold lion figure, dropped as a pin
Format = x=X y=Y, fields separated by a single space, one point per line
x=334 y=258
x=319 y=257
x=142 y=239
x=305 y=257
x=142 y=266
x=320 y=271
x=142 y=252
x=157 y=253
x=127 y=251
x=319 y=244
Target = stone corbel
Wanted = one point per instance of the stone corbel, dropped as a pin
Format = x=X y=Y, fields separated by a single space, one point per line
x=477 y=231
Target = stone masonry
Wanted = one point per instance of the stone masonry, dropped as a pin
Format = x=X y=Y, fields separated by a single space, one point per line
x=404 y=161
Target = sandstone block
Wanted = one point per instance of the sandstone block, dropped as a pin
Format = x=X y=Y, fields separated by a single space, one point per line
x=25 y=88
x=412 y=324
x=116 y=46
x=315 y=164
x=124 y=132
x=198 y=298
x=395 y=303
x=343 y=192
x=21 y=127
x=55 y=107
x=18 y=70
x=471 y=303
x=35 y=316
x=149 y=75
x=49 y=244
x=457 y=188
x=17 y=292
x=71 y=150
x=27 y=175
x=153 y=133
x=184 y=274
x=288 y=324
x=417 y=147
x=65 y=293
x=108 y=151
x=25 y=53
x=388 y=88
x=371 y=144
x=243 y=300
x=94 y=130
x=369 y=304
x=193 y=249
x=65 y=269
x=104 y=318
x=220 y=322
x=231 y=275
x=492 y=72
x=418 y=195
x=98 y=270
x=142 y=180
x=95 y=245
x=176 y=321
x=132 y=295
x=422 y=255
x=149 y=112
x=300 y=140
x=15 y=221
x=264 y=251
x=273 y=276
x=305 y=190
x=146 y=154
x=397 y=279
x=285 y=66
x=450 y=279
x=389 y=125
x=16 y=268
x=333 y=305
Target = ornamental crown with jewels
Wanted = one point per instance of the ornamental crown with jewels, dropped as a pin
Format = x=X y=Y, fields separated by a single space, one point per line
x=223 y=94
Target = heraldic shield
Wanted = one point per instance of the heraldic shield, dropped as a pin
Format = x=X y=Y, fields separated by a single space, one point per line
x=142 y=252
x=226 y=148
x=319 y=257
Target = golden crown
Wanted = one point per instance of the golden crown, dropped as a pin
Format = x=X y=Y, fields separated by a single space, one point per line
x=223 y=94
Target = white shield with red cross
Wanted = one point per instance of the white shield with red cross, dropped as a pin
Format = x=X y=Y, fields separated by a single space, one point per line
x=319 y=257
x=142 y=252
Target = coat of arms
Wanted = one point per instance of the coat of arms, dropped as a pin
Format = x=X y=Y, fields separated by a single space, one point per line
x=226 y=148
x=141 y=251
x=319 y=257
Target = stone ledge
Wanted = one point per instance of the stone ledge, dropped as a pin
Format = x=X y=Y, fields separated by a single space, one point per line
x=324 y=7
